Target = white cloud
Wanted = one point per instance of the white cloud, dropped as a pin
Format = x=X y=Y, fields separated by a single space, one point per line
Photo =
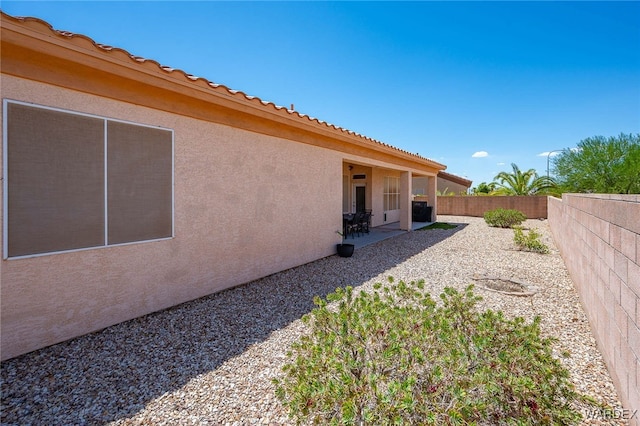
x=480 y=154
x=500 y=164
x=549 y=154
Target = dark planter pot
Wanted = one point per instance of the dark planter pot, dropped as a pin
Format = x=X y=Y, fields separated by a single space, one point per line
x=345 y=250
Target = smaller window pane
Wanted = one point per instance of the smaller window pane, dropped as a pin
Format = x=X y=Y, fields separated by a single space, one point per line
x=139 y=171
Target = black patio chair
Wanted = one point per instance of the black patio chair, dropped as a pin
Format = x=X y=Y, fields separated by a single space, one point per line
x=354 y=226
x=365 y=221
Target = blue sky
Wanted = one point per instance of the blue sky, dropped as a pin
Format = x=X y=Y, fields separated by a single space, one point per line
x=473 y=85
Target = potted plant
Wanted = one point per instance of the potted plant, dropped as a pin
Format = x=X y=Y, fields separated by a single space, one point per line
x=344 y=249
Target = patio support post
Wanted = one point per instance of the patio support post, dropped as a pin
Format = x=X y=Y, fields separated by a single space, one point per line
x=405 y=201
x=432 y=188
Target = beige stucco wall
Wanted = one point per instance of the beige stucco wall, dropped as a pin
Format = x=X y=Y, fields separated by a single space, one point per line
x=450 y=187
x=378 y=202
x=420 y=185
x=246 y=205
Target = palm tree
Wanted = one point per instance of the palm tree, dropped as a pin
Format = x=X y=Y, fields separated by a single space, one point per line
x=523 y=183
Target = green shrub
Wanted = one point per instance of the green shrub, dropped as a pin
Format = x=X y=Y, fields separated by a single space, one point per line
x=398 y=357
x=529 y=242
x=504 y=218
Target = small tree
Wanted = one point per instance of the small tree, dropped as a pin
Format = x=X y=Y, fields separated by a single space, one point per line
x=484 y=188
x=601 y=165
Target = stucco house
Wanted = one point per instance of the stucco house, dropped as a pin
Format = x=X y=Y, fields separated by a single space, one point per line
x=129 y=187
x=447 y=183
x=450 y=183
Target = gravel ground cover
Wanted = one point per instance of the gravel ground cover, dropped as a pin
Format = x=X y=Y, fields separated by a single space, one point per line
x=211 y=361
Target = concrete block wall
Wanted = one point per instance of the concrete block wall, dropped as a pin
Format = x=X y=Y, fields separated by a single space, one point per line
x=534 y=207
x=598 y=236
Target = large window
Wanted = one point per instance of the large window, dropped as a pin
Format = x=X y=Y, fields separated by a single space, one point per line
x=74 y=181
x=391 y=194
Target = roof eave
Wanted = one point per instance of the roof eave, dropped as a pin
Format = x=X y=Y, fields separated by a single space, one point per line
x=53 y=45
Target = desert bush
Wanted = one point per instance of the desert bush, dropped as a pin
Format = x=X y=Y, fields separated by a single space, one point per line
x=504 y=218
x=395 y=356
x=530 y=241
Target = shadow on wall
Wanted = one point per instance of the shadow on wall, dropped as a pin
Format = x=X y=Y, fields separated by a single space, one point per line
x=118 y=370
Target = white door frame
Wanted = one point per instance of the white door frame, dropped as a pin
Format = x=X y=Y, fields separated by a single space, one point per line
x=354 y=187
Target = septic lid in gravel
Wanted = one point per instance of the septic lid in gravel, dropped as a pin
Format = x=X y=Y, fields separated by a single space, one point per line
x=506 y=286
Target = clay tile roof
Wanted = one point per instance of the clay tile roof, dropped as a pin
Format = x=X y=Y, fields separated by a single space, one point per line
x=82 y=39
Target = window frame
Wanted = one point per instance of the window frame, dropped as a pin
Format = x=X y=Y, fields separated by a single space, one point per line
x=391 y=193
x=105 y=242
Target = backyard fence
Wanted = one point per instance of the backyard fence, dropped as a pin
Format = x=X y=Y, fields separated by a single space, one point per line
x=534 y=207
x=599 y=239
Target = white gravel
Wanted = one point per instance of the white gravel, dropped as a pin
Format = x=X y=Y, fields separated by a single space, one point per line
x=211 y=361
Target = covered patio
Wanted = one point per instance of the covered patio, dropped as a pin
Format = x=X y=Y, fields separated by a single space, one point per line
x=380 y=233
x=386 y=192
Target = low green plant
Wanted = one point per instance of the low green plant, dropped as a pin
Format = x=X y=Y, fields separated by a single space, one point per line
x=504 y=218
x=530 y=241
x=438 y=225
x=395 y=356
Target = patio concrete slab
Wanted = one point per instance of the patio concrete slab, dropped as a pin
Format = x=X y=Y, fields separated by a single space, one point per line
x=382 y=232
